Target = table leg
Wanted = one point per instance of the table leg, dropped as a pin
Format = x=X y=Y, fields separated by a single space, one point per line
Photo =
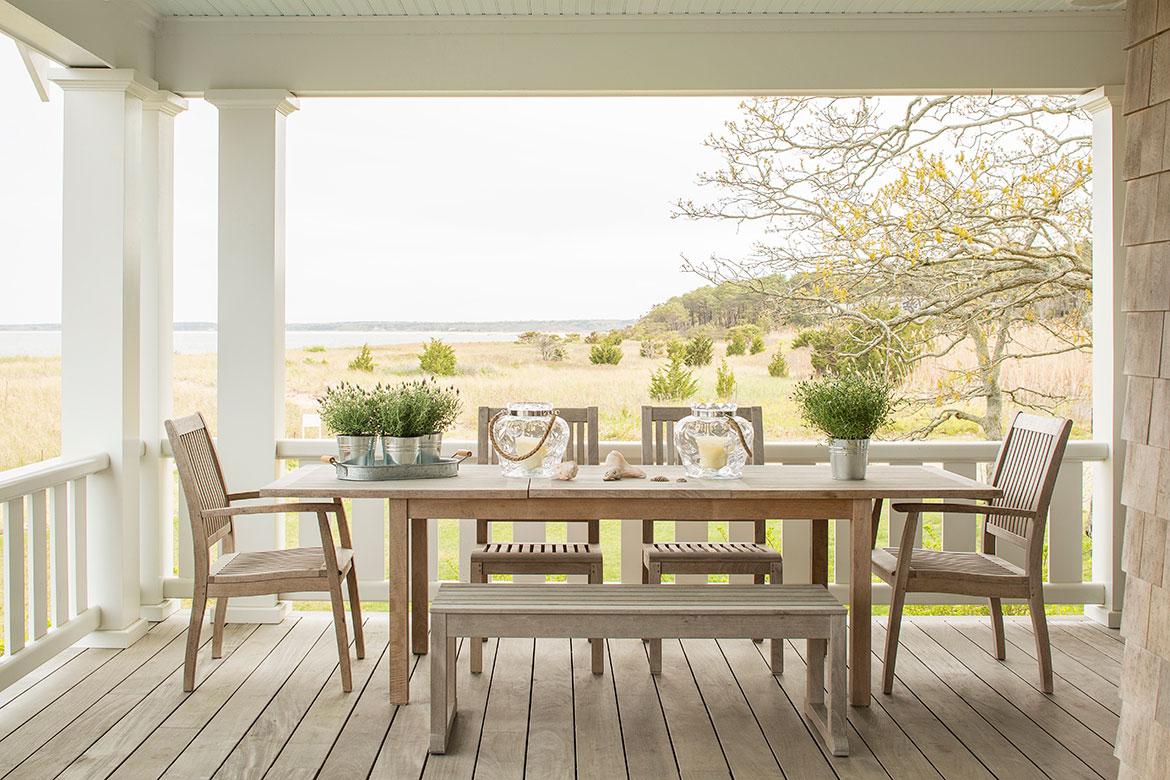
x=399 y=619
x=419 y=585
x=860 y=602
x=819 y=552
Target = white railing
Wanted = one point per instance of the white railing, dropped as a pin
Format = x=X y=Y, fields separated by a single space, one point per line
x=46 y=606
x=1065 y=583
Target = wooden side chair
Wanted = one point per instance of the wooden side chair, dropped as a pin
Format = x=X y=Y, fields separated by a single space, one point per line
x=545 y=558
x=254 y=573
x=1026 y=470
x=658 y=558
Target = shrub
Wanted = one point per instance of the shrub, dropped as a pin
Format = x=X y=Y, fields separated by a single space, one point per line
x=348 y=410
x=549 y=344
x=315 y=348
x=850 y=405
x=757 y=345
x=650 y=348
x=673 y=382
x=612 y=339
x=700 y=351
x=364 y=360
x=572 y=338
x=724 y=381
x=437 y=358
x=779 y=366
x=676 y=349
x=593 y=338
x=736 y=346
x=605 y=354
x=835 y=348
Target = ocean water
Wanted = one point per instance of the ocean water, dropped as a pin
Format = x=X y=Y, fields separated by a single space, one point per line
x=47 y=343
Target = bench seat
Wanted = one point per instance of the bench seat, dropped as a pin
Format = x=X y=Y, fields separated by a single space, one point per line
x=644 y=612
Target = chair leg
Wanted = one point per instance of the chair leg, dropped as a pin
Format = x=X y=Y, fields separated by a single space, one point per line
x=597 y=645
x=997 y=628
x=198 y=605
x=339 y=627
x=476 y=642
x=893 y=628
x=776 y=577
x=1043 y=648
x=654 y=573
x=355 y=613
x=217 y=628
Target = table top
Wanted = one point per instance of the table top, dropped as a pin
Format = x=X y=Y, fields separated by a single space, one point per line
x=758 y=482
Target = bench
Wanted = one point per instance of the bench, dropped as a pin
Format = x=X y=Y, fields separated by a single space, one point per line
x=645 y=612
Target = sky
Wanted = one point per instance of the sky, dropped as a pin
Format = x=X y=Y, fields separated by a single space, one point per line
x=439 y=209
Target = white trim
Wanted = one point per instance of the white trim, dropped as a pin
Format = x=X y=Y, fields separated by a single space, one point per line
x=37 y=65
x=156 y=613
x=47 y=474
x=277 y=100
x=115 y=637
x=14 y=667
x=105 y=80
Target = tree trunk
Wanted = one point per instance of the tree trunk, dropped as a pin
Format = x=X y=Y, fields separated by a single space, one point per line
x=991 y=390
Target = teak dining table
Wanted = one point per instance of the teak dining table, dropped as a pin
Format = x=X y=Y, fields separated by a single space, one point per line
x=770 y=492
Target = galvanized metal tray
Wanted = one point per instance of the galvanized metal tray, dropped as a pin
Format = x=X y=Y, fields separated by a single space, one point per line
x=445 y=467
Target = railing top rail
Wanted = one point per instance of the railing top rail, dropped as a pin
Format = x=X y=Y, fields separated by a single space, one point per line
x=21 y=481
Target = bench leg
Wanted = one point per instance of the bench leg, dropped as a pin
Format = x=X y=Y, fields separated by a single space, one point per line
x=597 y=645
x=655 y=648
x=443 y=684
x=829 y=720
x=476 y=642
x=776 y=577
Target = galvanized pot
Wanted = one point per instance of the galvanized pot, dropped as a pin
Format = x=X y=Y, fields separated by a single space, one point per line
x=356 y=450
x=429 y=446
x=848 y=458
x=401 y=450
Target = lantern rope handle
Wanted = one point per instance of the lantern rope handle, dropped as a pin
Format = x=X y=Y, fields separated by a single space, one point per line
x=539 y=444
x=739 y=433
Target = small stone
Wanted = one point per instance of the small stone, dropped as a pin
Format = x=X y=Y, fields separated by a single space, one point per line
x=660 y=478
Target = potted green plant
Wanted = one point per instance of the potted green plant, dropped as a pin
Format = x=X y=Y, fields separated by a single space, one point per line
x=848 y=408
x=349 y=412
x=412 y=417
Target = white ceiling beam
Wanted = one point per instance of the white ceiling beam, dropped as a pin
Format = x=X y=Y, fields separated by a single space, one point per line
x=84 y=33
x=667 y=55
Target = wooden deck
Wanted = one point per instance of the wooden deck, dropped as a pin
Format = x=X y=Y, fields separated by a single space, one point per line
x=273 y=707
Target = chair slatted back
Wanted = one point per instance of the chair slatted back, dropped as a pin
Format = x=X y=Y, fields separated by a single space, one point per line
x=201 y=477
x=658 y=433
x=1026 y=470
x=584 y=442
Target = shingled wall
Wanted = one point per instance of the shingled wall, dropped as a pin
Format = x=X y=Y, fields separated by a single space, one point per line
x=1143 y=740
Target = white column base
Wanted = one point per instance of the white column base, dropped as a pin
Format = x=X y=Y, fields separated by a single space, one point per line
x=1110 y=618
x=116 y=638
x=160 y=611
x=260 y=614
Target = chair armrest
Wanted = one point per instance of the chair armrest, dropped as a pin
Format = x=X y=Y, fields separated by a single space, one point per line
x=267 y=509
x=970 y=509
x=243 y=496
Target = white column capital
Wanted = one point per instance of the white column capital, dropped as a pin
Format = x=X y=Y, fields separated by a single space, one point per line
x=165 y=102
x=278 y=100
x=1102 y=98
x=104 y=80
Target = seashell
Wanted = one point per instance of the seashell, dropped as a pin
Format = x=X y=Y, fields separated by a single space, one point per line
x=660 y=478
x=616 y=460
x=681 y=479
x=566 y=470
x=612 y=474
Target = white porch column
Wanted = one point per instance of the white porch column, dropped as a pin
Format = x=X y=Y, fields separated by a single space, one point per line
x=251 y=309
x=1105 y=104
x=157 y=375
x=100 y=326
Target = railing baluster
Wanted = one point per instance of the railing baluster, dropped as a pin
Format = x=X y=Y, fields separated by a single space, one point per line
x=60 y=557
x=1066 y=524
x=958 y=531
x=78 y=573
x=14 y=576
x=38 y=564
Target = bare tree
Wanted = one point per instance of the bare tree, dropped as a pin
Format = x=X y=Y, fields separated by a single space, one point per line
x=965 y=217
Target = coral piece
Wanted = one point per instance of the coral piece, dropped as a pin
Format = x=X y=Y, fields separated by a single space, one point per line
x=616 y=460
x=660 y=478
x=565 y=470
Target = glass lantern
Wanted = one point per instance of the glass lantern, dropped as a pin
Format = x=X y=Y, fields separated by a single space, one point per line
x=520 y=441
x=708 y=444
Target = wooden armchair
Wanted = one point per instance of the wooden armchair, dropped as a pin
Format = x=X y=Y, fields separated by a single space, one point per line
x=1026 y=470
x=573 y=557
x=254 y=573
x=658 y=558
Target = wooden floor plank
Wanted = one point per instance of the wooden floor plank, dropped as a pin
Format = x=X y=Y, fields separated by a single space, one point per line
x=403 y=752
x=551 y=745
x=1101 y=690
x=783 y=726
x=315 y=735
x=458 y=763
x=645 y=737
x=1099 y=661
x=595 y=717
x=1110 y=633
x=1091 y=638
x=152 y=758
x=39 y=674
x=1042 y=709
x=505 y=726
x=31 y=735
x=1067 y=694
x=45 y=693
x=696 y=746
x=134 y=728
x=1033 y=741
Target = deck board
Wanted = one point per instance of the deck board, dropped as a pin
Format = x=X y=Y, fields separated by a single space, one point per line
x=273 y=707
